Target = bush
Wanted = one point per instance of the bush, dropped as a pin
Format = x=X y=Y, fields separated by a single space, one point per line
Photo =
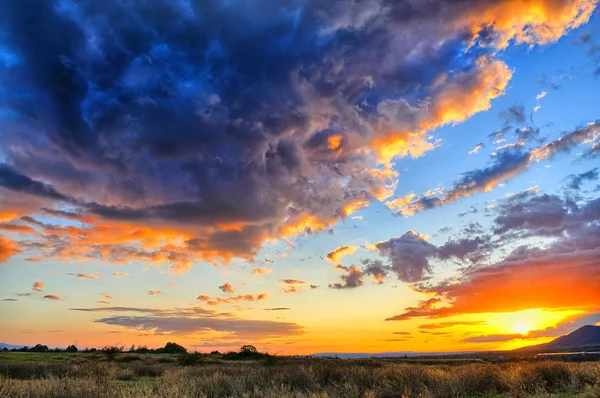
x=172 y=348
x=111 y=352
x=189 y=359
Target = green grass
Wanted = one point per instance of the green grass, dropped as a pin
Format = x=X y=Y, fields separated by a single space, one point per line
x=37 y=356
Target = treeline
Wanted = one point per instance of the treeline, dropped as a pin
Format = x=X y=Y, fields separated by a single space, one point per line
x=245 y=352
x=169 y=348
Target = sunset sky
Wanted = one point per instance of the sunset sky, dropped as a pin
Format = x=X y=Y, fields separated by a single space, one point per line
x=305 y=176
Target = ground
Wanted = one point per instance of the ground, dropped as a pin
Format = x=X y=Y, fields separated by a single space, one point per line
x=151 y=375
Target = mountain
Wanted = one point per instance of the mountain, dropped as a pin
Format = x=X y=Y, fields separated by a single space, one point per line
x=583 y=338
x=9 y=346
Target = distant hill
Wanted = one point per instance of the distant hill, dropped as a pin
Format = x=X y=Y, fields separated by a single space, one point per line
x=9 y=346
x=585 y=337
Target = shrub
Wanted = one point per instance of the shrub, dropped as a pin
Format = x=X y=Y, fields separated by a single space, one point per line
x=172 y=348
x=189 y=359
x=111 y=352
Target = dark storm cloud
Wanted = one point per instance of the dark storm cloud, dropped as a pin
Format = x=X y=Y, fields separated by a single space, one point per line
x=15 y=181
x=211 y=114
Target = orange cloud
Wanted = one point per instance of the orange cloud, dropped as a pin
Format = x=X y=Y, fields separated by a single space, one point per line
x=290 y=289
x=120 y=274
x=226 y=288
x=37 y=286
x=568 y=280
x=155 y=292
x=334 y=142
x=261 y=271
x=530 y=21
x=229 y=300
x=8 y=248
x=459 y=98
x=400 y=202
x=292 y=282
x=336 y=255
x=51 y=297
x=17 y=228
x=305 y=224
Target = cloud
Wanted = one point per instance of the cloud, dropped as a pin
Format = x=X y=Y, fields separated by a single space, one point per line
x=336 y=255
x=293 y=282
x=540 y=95
x=226 y=288
x=185 y=321
x=443 y=325
x=506 y=165
x=575 y=180
x=565 y=326
x=83 y=276
x=289 y=145
x=8 y=248
x=377 y=269
x=234 y=299
x=16 y=228
x=9 y=299
x=493 y=338
x=261 y=271
x=155 y=293
x=350 y=280
x=120 y=274
x=476 y=149
x=408 y=257
x=37 y=286
x=514 y=115
x=291 y=289
x=51 y=297
x=277 y=309
x=314 y=286
x=529 y=276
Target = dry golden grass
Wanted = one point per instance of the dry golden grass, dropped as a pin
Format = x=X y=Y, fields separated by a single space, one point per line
x=146 y=377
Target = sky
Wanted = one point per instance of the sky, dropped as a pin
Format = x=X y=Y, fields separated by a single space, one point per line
x=304 y=176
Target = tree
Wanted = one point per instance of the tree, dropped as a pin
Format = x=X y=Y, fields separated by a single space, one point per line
x=71 y=348
x=39 y=348
x=248 y=349
x=173 y=348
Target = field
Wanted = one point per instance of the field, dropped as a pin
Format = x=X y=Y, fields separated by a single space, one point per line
x=151 y=375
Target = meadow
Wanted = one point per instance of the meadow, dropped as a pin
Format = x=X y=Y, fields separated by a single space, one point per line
x=153 y=375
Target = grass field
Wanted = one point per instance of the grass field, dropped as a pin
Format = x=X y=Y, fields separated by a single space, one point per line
x=132 y=375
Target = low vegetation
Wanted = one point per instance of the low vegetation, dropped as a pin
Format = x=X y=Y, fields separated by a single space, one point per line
x=253 y=374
